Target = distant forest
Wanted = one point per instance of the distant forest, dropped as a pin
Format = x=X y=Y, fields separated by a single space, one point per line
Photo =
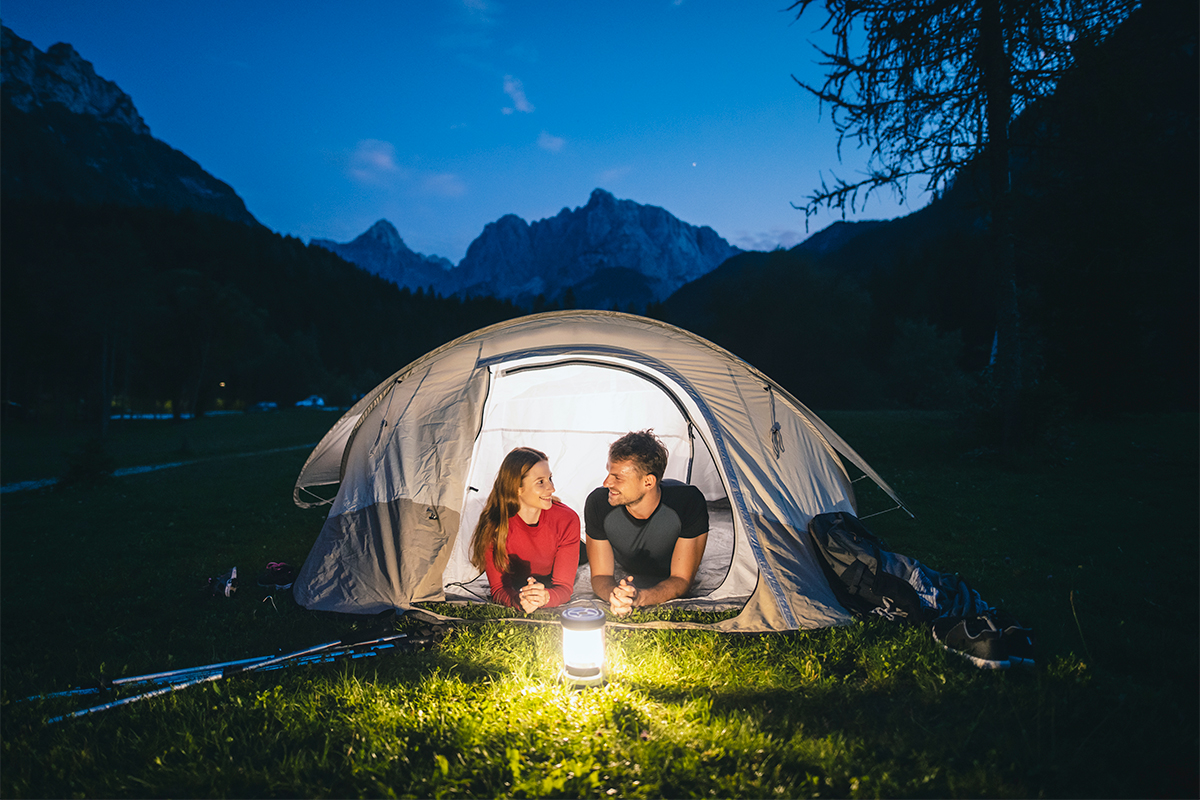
x=150 y=310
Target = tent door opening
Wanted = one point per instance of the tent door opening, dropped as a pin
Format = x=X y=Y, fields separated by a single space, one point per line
x=572 y=410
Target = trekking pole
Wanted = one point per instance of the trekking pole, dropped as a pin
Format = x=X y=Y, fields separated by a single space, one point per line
x=371 y=649
x=182 y=679
x=229 y=670
x=182 y=675
x=173 y=676
x=363 y=649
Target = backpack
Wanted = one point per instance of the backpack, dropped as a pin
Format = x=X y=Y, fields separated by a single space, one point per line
x=851 y=557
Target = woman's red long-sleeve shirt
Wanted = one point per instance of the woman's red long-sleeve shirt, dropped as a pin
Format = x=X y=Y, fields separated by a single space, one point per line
x=547 y=551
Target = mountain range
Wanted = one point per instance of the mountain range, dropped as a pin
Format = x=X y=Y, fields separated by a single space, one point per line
x=71 y=134
x=608 y=252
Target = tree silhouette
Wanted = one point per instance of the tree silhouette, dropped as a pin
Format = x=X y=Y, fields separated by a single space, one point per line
x=930 y=86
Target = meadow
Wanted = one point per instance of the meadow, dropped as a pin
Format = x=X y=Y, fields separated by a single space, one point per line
x=1093 y=542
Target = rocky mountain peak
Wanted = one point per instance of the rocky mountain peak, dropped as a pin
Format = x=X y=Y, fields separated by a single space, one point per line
x=385 y=234
x=600 y=197
x=32 y=79
x=609 y=252
x=381 y=251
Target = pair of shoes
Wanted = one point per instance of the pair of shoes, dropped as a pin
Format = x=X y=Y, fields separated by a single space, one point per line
x=278 y=575
x=976 y=639
x=989 y=641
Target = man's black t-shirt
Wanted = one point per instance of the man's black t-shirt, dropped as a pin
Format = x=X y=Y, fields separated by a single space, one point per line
x=644 y=546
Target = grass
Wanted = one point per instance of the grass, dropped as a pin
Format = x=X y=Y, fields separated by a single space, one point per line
x=34 y=452
x=1095 y=545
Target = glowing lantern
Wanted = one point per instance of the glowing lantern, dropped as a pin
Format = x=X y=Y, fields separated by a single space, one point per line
x=583 y=646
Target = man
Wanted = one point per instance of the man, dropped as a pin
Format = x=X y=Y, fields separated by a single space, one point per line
x=653 y=530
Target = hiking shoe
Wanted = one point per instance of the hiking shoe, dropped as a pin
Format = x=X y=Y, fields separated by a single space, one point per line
x=1018 y=640
x=278 y=575
x=976 y=639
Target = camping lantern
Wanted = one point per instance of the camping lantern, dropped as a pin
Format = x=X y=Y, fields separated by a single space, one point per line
x=583 y=646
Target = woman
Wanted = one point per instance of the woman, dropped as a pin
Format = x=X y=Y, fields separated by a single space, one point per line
x=526 y=540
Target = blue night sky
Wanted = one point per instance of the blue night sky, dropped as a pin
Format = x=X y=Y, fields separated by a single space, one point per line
x=444 y=115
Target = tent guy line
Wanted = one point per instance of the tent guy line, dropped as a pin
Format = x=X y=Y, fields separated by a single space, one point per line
x=24 y=486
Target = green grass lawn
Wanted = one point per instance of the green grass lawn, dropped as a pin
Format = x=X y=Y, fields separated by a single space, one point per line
x=1095 y=545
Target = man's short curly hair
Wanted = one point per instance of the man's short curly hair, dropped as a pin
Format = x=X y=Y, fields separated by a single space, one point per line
x=644 y=449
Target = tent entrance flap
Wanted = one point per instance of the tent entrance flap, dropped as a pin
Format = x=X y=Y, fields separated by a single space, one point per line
x=572 y=410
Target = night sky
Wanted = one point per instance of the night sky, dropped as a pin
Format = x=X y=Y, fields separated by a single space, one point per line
x=444 y=115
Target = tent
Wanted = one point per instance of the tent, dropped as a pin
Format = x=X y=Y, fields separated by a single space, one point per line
x=414 y=460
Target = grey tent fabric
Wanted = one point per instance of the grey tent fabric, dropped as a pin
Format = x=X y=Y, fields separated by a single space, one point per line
x=414 y=460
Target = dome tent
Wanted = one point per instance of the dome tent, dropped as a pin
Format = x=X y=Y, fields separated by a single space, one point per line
x=415 y=458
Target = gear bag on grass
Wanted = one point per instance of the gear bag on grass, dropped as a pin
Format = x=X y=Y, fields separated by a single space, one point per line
x=856 y=566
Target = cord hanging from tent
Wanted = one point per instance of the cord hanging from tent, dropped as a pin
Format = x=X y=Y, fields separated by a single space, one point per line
x=886 y=510
x=320 y=501
x=776 y=431
x=691 y=450
x=388 y=410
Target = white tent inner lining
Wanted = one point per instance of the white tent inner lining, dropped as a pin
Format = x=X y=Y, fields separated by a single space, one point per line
x=572 y=410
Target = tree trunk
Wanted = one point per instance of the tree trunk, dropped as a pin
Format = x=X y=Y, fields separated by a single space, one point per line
x=997 y=83
x=200 y=377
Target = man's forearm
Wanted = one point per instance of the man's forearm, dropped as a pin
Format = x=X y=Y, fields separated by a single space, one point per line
x=668 y=589
x=603 y=585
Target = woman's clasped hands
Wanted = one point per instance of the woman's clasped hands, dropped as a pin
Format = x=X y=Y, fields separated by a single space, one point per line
x=533 y=596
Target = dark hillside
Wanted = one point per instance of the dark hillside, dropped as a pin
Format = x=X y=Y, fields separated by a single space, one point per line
x=52 y=154
x=106 y=307
x=803 y=325
x=71 y=135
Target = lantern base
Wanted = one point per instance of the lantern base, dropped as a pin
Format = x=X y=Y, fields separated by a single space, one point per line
x=596 y=679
